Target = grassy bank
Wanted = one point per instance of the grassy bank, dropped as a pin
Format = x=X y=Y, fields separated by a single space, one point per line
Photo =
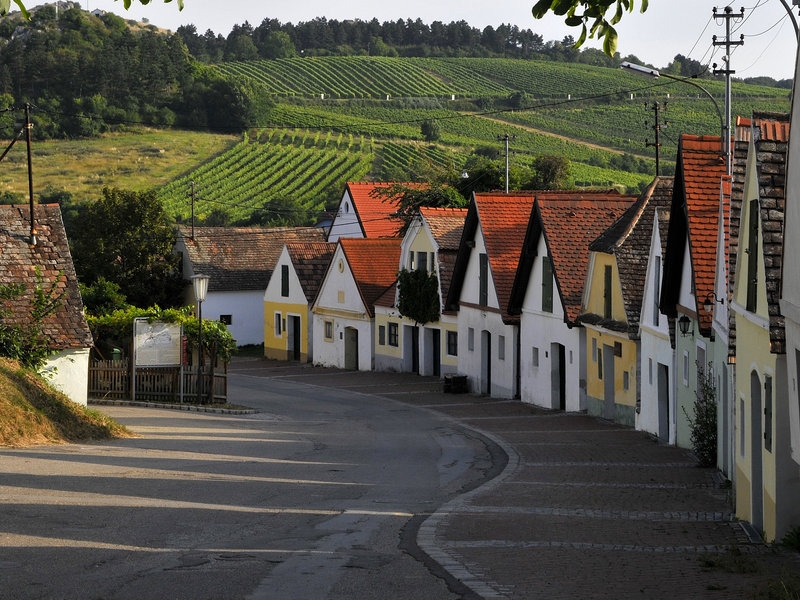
x=32 y=413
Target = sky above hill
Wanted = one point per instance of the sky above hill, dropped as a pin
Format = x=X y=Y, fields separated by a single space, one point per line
x=669 y=27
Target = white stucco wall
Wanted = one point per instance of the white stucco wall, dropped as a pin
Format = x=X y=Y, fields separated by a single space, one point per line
x=655 y=346
x=68 y=371
x=538 y=332
x=790 y=286
x=339 y=301
x=246 y=310
x=345 y=223
x=471 y=362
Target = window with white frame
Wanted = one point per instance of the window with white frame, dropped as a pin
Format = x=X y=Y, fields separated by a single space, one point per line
x=470 y=339
x=329 y=331
x=278 y=322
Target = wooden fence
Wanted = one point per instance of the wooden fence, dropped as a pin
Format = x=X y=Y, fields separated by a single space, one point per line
x=111 y=380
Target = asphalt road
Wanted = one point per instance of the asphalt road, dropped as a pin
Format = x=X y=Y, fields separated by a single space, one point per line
x=318 y=495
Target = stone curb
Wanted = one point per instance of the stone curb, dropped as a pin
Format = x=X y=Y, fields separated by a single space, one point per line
x=186 y=407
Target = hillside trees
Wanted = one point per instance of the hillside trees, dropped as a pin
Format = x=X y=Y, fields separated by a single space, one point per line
x=85 y=74
x=126 y=238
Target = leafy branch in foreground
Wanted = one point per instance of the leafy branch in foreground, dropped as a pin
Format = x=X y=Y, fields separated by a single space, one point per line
x=21 y=336
x=594 y=11
x=5 y=6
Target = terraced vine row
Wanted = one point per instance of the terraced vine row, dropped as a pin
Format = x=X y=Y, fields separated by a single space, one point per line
x=341 y=76
x=283 y=166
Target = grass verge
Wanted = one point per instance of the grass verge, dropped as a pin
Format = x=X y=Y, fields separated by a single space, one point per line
x=32 y=413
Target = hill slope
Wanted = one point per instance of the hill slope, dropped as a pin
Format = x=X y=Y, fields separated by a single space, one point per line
x=32 y=414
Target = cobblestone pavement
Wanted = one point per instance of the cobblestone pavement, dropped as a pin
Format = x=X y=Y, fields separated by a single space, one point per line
x=583 y=508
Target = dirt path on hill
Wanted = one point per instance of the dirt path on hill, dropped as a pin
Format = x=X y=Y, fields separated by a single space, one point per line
x=555 y=135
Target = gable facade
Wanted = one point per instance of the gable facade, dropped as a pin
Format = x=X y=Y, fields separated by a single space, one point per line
x=767 y=481
x=431 y=348
x=239 y=262
x=657 y=358
x=65 y=329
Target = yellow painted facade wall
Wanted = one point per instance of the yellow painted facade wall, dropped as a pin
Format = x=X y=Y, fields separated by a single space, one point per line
x=595 y=385
x=595 y=301
x=277 y=347
x=754 y=356
x=625 y=365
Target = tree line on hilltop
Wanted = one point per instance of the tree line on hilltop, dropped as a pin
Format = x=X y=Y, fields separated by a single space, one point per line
x=83 y=74
x=409 y=38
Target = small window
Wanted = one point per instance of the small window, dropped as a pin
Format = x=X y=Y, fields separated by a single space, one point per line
x=657 y=290
x=650 y=370
x=685 y=368
x=470 y=339
x=570 y=357
x=625 y=381
x=329 y=330
x=346 y=207
x=607 y=306
x=422 y=261
x=535 y=356
x=501 y=347
x=284 y=280
x=278 y=323
x=594 y=349
x=226 y=319
x=381 y=335
x=483 y=279
x=452 y=343
x=393 y=335
x=599 y=363
x=547 y=284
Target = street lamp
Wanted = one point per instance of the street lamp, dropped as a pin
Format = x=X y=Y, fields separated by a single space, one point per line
x=655 y=74
x=683 y=325
x=200 y=283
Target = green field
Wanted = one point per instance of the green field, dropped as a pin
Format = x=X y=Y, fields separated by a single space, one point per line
x=355 y=118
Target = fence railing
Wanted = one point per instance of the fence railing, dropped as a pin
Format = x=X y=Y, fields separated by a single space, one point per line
x=111 y=380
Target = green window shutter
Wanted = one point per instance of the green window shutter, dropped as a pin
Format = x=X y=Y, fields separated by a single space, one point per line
x=483 y=299
x=285 y=280
x=547 y=284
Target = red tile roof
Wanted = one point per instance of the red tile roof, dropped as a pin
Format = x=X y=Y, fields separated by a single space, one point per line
x=374 y=264
x=446 y=225
x=241 y=258
x=570 y=223
x=504 y=222
x=66 y=328
x=701 y=171
x=374 y=210
x=628 y=238
x=310 y=261
x=568 y=214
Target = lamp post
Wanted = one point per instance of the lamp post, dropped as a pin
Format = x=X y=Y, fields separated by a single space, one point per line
x=655 y=74
x=200 y=284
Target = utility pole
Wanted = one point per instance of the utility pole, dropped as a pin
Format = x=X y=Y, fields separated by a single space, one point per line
x=506 y=138
x=656 y=126
x=191 y=195
x=28 y=126
x=727 y=16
